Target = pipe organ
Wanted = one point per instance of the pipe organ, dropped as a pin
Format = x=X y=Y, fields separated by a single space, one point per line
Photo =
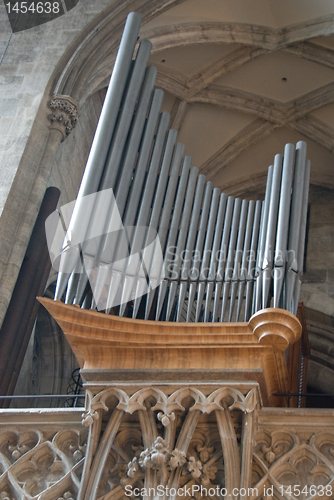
x=164 y=243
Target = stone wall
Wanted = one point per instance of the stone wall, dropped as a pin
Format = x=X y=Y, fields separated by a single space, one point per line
x=318 y=281
x=27 y=148
x=29 y=60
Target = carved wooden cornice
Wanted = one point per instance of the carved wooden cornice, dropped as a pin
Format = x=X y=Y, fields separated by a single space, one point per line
x=243 y=351
x=64 y=116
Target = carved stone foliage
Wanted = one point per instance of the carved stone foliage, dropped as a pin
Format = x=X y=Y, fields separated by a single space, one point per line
x=206 y=462
x=64 y=114
x=41 y=465
x=201 y=464
x=285 y=458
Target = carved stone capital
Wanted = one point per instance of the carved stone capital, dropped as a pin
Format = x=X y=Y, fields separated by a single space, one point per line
x=64 y=114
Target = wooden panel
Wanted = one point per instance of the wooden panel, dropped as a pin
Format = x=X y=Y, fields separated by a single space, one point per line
x=102 y=342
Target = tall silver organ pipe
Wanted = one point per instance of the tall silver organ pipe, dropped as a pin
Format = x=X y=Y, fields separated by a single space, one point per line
x=164 y=243
x=100 y=147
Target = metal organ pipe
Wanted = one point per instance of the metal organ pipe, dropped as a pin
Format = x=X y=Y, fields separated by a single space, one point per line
x=101 y=143
x=242 y=274
x=144 y=208
x=156 y=210
x=195 y=270
x=295 y=221
x=187 y=254
x=283 y=222
x=268 y=254
x=250 y=285
x=237 y=223
x=123 y=185
x=183 y=231
x=221 y=260
x=207 y=251
x=166 y=214
x=262 y=238
x=214 y=258
x=214 y=253
x=301 y=243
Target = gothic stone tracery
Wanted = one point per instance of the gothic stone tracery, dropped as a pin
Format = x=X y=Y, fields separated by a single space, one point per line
x=196 y=438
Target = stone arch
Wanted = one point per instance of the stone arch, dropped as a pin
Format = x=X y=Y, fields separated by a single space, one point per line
x=86 y=68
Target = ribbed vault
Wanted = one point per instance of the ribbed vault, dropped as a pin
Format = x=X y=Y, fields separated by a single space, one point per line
x=273 y=67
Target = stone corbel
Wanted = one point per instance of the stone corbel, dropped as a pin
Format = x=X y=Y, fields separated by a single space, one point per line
x=64 y=114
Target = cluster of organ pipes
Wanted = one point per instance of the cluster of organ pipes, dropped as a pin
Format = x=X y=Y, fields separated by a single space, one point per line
x=223 y=259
